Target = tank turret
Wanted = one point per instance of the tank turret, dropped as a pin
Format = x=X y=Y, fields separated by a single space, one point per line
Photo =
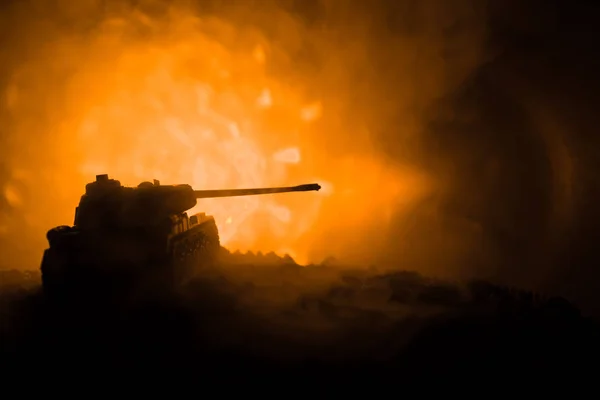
x=125 y=233
x=107 y=203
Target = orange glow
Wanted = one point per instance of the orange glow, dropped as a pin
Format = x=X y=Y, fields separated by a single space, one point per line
x=185 y=107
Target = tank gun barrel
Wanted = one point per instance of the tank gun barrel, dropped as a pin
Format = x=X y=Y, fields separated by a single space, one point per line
x=207 y=194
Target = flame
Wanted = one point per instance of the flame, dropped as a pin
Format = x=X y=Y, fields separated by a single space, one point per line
x=265 y=100
x=12 y=196
x=311 y=112
x=259 y=54
x=158 y=118
x=288 y=156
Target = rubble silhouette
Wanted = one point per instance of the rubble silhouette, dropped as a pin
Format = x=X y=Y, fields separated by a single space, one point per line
x=262 y=314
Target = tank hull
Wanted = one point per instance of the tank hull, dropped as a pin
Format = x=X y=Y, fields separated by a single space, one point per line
x=101 y=265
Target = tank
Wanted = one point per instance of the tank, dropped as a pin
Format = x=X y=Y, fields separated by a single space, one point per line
x=123 y=236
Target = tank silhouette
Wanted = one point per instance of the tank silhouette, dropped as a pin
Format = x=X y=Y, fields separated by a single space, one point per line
x=123 y=235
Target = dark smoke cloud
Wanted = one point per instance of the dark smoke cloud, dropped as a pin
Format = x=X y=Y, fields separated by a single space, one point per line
x=514 y=145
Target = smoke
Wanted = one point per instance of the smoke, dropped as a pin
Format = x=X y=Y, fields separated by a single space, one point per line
x=366 y=91
x=439 y=147
x=509 y=147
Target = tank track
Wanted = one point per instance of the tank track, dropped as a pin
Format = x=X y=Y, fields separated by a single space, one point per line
x=66 y=276
x=194 y=249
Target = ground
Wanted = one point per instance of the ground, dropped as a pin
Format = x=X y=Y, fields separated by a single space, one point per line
x=261 y=315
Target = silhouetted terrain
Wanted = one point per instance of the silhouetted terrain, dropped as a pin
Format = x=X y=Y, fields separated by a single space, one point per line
x=264 y=316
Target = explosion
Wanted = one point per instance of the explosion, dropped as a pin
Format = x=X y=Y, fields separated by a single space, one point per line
x=187 y=98
x=207 y=127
